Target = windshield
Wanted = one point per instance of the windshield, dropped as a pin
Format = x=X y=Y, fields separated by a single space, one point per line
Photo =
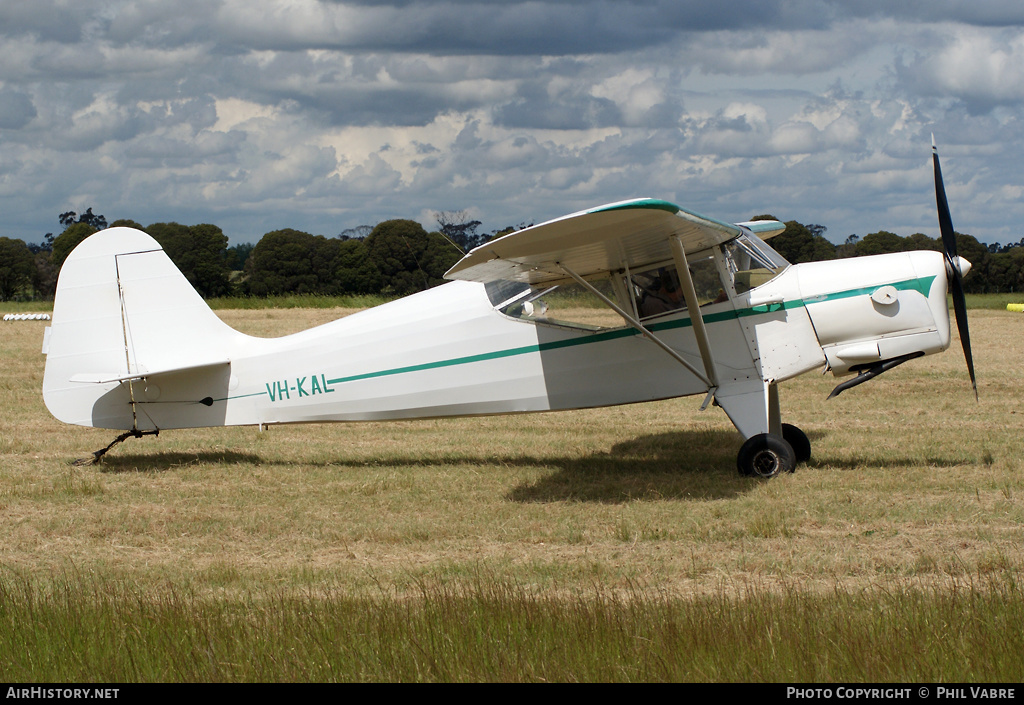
x=751 y=262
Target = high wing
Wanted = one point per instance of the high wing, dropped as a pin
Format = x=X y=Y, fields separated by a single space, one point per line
x=629 y=234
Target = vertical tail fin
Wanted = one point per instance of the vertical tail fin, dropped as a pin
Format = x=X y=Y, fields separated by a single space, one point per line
x=123 y=314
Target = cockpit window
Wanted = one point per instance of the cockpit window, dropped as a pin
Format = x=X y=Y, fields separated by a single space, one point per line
x=566 y=305
x=658 y=290
x=503 y=292
x=751 y=262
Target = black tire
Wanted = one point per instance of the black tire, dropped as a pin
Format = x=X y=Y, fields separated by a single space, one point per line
x=798 y=439
x=765 y=456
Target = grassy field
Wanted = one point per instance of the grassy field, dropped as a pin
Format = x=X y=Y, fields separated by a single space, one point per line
x=610 y=544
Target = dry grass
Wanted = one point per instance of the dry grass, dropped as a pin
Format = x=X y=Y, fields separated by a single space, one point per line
x=911 y=482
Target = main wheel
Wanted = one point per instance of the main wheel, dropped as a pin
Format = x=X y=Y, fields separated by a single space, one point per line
x=766 y=455
x=798 y=439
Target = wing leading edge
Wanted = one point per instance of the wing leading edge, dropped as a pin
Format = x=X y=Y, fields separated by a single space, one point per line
x=633 y=234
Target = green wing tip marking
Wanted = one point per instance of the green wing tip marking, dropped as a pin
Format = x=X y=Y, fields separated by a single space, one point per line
x=761 y=226
x=640 y=203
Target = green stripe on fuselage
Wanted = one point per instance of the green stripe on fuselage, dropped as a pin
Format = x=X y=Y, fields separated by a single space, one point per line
x=922 y=285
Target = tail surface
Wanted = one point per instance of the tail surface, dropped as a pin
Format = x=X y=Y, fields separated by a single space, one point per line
x=132 y=344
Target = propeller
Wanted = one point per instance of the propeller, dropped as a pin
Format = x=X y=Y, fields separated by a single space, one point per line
x=956 y=286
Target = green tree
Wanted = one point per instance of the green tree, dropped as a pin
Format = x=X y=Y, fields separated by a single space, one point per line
x=976 y=281
x=322 y=257
x=456 y=226
x=438 y=257
x=45 y=279
x=168 y=232
x=880 y=243
x=127 y=223
x=353 y=271
x=849 y=247
x=1015 y=276
x=1002 y=273
x=294 y=262
x=920 y=241
x=67 y=241
x=885 y=242
x=75 y=231
x=237 y=255
x=802 y=243
x=408 y=258
x=199 y=251
x=282 y=262
x=67 y=219
x=17 y=268
x=495 y=234
x=45 y=246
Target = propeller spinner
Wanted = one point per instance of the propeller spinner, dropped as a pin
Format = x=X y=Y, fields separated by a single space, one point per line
x=953 y=267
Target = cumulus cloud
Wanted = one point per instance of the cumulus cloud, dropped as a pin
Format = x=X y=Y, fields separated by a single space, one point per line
x=323 y=115
x=983 y=69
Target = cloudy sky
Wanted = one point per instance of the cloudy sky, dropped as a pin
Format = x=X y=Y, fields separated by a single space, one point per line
x=324 y=115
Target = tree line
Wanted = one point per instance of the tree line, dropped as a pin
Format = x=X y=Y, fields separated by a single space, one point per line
x=399 y=257
x=394 y=258
x=995 y=268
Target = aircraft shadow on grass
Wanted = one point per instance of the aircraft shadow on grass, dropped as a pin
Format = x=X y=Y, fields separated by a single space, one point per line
x=690 y=466
x=681 y=465
x=676 y=465
x=171 y=460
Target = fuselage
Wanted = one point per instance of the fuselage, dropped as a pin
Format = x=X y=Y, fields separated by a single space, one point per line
x=450 y=351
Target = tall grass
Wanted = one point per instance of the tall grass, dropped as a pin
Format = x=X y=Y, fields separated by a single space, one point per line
x=487 y=630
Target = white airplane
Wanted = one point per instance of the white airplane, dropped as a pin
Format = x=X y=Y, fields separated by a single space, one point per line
x=695 y=307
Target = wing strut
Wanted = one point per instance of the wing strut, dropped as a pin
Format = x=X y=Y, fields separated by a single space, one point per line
x=629 y=318
x=690 y=295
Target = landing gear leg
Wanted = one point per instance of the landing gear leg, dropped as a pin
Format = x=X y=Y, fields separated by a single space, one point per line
x=793 y=435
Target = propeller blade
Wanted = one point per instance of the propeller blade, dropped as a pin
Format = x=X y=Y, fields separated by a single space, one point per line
x=945 y=221
x=956 y=287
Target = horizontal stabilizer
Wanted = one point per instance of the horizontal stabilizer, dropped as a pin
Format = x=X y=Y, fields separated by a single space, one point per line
x=105 y=377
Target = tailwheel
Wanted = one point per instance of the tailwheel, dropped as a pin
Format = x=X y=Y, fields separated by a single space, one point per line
x=766 y=455
x=798 y=439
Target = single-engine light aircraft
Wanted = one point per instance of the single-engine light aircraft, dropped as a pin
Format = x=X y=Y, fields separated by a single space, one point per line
x=694 y=306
